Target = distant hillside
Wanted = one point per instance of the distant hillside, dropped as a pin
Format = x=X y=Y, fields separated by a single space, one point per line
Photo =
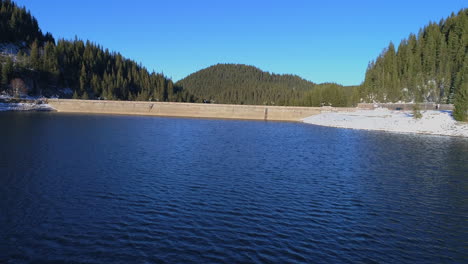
x=71 y=68
x=430 y=66
x=243 y=84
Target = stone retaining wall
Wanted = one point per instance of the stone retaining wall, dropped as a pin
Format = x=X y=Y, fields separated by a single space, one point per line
x=252 y=112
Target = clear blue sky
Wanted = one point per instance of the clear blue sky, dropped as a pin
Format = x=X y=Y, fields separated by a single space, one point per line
x=322 y=41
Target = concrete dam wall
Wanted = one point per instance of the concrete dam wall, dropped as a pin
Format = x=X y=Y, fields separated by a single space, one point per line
x=222 y=111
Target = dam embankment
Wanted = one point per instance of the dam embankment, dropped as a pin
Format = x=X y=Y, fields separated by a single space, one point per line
x=222 y=111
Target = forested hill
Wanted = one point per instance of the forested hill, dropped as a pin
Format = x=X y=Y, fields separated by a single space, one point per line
x=18 y=26
x=72 y=68
x=430 y=66
x=243 y=84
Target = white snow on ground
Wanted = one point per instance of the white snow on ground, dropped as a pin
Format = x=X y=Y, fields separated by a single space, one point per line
x=433 y=122
x=33 y=106
x=24 y=107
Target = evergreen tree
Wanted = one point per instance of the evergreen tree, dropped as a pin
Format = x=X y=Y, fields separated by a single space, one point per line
x=460 y=112
x=417 y=111
x=170 y=91
x=7 y=71
x=35 y=63
x=104 y=94
x=85 y=96
x=461 y=103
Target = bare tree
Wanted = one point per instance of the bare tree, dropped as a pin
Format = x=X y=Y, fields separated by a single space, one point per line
x=18 y=87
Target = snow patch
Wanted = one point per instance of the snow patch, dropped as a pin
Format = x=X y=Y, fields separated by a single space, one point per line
x=432 y=122
x=24 y=107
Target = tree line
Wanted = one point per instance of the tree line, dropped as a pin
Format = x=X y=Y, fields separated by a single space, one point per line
x=331 y=94
x=428 y=67
x=82 y=69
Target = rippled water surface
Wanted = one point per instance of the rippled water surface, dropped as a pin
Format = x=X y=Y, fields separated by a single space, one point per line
x=120 y=189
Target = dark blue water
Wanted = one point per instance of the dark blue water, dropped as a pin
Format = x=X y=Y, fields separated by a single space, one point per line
x=119 y=189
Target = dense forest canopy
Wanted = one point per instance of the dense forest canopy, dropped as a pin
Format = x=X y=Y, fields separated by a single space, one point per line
x=244 y=84
x=431 y=66
x=18 y=26
x=427 y=67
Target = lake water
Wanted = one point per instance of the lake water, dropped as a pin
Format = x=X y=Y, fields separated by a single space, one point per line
x=123 y=189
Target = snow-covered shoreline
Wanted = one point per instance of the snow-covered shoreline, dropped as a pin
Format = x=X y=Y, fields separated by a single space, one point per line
x=24 y=107
x=25 y=103
x=381 y=119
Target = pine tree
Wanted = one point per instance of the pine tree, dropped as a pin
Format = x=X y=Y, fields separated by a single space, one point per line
x=7 y=71
x=35 y=63
x=391 y=74
x=85 y=96
x=95 y=85
x=104 y=94
x=83 y=79
x=417 y=111
x=460 y=112
x=170 y=90
x=49 y=60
